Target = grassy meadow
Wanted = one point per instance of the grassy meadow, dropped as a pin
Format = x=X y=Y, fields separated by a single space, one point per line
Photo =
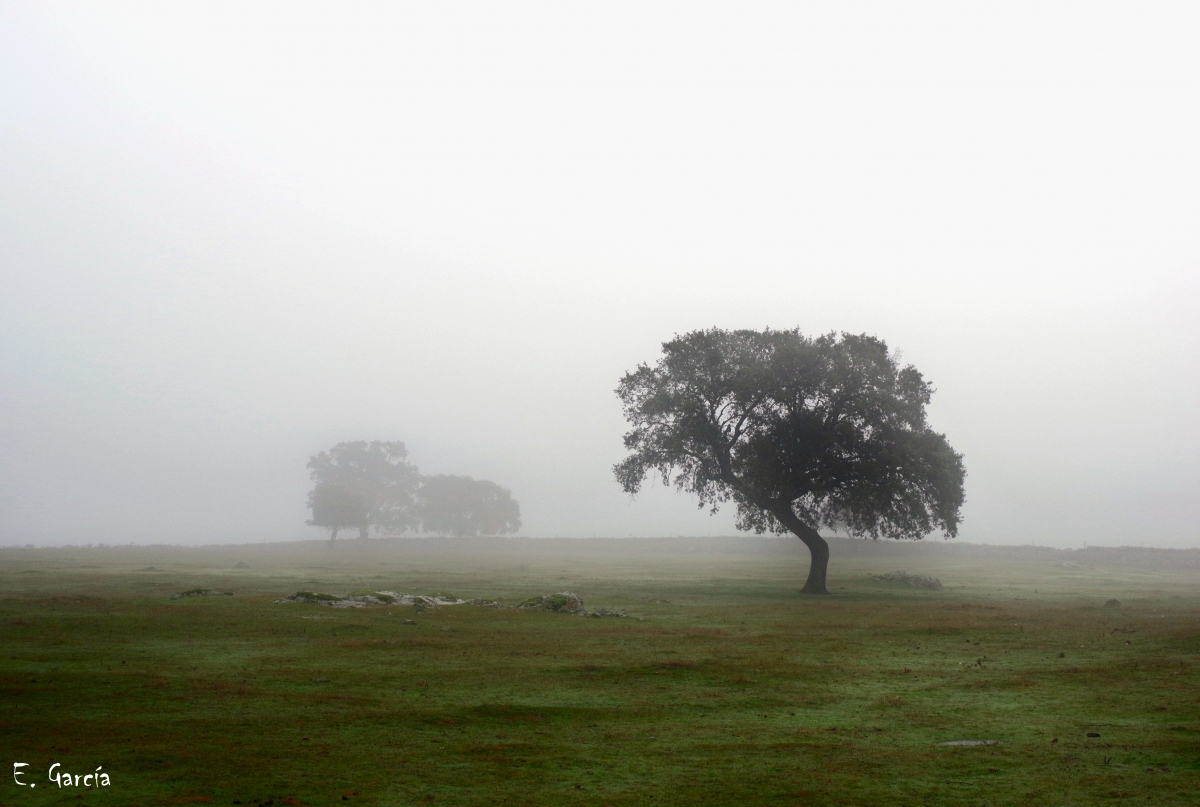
x=723 y=685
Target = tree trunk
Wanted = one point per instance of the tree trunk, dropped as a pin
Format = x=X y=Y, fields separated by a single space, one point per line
x=818 y=548
x=362 y=533
x=333 y=535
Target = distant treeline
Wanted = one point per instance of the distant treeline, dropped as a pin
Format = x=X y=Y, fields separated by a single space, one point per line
x=372 y=487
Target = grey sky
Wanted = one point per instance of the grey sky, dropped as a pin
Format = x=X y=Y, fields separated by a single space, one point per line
x=233 y=235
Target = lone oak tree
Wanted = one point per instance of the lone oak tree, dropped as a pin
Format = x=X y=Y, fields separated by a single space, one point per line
x=377 y=473
x=799 y=432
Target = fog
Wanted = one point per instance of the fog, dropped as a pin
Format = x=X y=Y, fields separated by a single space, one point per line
x=234 y=235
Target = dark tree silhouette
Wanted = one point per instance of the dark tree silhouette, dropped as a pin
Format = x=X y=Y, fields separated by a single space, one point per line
x=799 y=433
x=337 y=507
x=376 y=472
x=462 y=506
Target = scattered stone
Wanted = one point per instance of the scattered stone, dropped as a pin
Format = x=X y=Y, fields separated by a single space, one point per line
x=432 y=601
x=1093 y=734
x=365 y=599
x=319 y=680
x=384 y=597
x=1114 y=603
x=564 y=602
x=914 y=580
x=241 y=564
x=410 y=622
x=603 y=612
x=971 y=742
x=199 y=592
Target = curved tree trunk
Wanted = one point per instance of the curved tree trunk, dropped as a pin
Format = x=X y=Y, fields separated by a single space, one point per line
x=818 y=548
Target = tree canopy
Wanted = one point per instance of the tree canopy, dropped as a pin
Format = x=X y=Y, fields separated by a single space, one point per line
x=462 y=506
x=376 y=472
x=337 y=507
x=800 y=433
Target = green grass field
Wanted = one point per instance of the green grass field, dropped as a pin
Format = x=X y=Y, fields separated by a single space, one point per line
x=723 y=686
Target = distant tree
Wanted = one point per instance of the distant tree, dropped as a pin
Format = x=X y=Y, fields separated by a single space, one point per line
x=377 y=473
x=799 y=433
x=462 y=506
x=337 y=507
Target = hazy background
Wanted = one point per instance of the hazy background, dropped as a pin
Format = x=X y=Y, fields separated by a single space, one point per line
x=234 y=235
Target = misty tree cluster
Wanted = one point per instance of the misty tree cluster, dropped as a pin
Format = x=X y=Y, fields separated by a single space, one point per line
x=799 y=433
x=372 y=486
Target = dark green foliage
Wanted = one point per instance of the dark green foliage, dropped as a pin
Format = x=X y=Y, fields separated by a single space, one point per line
x=378 y=475
x=799 y=433
x=464 y=507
